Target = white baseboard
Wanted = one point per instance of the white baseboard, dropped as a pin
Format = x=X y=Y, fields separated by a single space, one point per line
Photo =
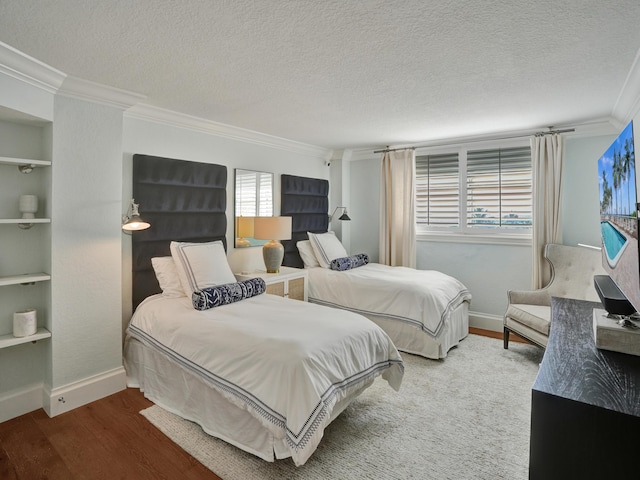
x=63 y=399
x=485 y=321
x=21 y=401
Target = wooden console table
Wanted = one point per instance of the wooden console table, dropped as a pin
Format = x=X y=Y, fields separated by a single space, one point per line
x=585 y=403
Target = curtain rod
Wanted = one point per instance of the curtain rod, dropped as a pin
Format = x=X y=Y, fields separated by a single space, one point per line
x=536 y=134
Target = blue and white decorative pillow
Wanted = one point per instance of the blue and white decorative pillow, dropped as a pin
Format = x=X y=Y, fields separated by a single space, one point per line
x=228 y=293
x=347 y=263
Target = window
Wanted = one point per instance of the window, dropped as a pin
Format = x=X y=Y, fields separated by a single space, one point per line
x=437 y=187
x=499 y=188
x=473 y=190
x=254 y=194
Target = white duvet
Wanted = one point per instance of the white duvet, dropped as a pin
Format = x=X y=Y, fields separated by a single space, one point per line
x=285 y=361
x=423 y=298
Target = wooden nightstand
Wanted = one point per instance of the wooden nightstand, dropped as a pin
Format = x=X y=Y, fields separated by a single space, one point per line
x=289 y=282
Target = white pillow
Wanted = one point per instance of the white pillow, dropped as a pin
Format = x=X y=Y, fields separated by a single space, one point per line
x=167 y=276
x=306 y=253
x=201 y=265
x=327 y=247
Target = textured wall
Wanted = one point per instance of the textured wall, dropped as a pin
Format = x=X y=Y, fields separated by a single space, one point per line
x=86 y=240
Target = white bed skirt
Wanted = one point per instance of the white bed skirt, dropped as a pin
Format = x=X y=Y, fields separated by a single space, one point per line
x=183 y=393
x=411 y=339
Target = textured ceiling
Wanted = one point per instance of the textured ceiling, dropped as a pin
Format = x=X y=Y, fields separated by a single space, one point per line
x=346 y=73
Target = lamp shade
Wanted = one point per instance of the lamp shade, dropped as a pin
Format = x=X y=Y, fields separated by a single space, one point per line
x=244 y=227
x=272 y=228
x=135 y=223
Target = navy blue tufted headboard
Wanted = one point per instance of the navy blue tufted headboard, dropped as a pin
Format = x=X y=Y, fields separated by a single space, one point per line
x=306 y=200
x=183 y=201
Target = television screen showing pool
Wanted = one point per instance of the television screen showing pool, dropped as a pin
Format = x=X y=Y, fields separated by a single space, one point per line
x=618 y=215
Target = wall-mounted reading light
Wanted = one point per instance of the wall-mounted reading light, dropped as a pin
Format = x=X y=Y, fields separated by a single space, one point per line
x=344 y=216
x=131 y=221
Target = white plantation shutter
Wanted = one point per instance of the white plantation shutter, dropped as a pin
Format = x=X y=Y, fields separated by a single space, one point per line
x=467 y=190
x=499 y=188
x=265 y=194
x=254 y=194
x=437 y=190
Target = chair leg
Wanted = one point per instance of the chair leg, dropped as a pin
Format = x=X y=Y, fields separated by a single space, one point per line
x=505 y=338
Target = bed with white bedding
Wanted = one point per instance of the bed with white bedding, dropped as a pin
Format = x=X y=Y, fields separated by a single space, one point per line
x=425 y=312
x=263 y=373
x=286 y=366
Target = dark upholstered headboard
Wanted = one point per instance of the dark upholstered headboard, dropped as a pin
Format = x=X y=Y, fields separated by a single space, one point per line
x=183 y=201
x=306 y=200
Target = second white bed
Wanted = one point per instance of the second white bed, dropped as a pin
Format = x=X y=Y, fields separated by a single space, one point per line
x=425 y=312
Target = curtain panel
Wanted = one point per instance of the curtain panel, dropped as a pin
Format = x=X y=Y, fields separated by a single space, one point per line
x=397 y=214
x=547 y=156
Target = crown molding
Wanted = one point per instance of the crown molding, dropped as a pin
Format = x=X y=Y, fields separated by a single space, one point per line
x=27 y=69
x=591 y=128
x=175 y=119
x=628 y=103
x=75 y=87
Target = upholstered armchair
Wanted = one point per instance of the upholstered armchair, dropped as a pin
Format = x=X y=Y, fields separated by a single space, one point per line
x=572 y=269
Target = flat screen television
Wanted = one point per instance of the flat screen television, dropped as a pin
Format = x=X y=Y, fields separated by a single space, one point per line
x=619 y=291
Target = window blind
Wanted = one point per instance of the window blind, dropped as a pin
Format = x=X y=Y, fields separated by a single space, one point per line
x=254 y=194
x=437 y=190
x=499 y=188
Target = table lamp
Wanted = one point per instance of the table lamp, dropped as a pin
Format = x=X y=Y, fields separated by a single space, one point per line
x=273 y=229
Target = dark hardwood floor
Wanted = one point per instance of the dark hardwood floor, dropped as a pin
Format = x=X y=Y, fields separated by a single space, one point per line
x=107 y=439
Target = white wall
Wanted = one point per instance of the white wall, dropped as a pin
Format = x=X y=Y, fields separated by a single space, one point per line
x=364 y=197
x=85 y=240
x=150 y=138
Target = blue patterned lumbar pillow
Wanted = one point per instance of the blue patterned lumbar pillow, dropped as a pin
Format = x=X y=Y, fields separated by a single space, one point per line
x=227 y=293
x=347 y=263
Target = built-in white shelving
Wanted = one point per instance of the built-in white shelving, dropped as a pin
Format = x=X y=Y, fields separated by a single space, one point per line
x=25 y=165
x=25 y=220
x=26 y=278
x=24 y=161
x=10 y=341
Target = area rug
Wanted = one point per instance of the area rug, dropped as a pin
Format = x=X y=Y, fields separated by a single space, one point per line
x=464 y=417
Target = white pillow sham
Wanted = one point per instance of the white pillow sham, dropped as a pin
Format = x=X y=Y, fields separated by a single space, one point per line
x=167 y=276
x=201 y=265
x=327 y=247
x=306 y=253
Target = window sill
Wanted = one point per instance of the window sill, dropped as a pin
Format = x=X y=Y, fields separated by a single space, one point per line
x=477 y=238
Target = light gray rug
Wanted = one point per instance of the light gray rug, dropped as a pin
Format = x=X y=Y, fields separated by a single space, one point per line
x=466 y=417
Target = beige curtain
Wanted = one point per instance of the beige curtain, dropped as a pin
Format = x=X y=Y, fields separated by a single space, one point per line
x=547 y=158
x=397 y=213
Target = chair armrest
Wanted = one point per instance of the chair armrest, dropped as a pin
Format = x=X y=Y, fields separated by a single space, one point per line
x=530 y=297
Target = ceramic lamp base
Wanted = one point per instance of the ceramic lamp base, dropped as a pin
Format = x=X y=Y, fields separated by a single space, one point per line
x=273 y=253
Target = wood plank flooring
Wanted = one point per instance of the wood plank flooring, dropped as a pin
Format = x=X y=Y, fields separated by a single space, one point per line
x=107 y=439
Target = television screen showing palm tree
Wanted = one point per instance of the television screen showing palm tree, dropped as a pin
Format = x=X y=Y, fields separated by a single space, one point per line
x=619 y=215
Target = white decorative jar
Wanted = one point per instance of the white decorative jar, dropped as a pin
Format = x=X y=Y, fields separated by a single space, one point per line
x=25 y=323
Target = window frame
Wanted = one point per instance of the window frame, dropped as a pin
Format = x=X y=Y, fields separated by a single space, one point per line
x=464 y=233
